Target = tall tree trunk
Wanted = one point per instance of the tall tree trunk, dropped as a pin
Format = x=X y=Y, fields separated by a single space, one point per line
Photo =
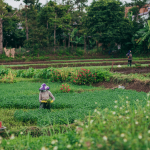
x=84 y=44
x=65 y=42
x=1 y=36
x=27 y=29
x=54 y=35
x=69 y=41
x=47 y=35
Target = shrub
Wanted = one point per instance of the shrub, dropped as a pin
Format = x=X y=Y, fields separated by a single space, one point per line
x=3 y=71
x=83 y=76
x=9 y=78
x=65 y=88
x=27 y=73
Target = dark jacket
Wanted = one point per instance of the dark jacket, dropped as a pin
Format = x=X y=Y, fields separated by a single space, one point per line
x=129 y=55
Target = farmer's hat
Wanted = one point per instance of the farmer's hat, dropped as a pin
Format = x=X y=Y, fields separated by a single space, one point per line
x=44 y=87
x=129 y=51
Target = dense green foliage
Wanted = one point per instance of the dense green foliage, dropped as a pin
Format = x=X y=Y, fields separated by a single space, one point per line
x=40 y=29
x=106 y=23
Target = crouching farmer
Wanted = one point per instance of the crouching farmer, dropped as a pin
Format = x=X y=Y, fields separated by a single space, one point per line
x=44 y=96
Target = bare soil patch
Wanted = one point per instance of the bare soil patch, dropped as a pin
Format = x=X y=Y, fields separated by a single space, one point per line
x=132 y=70
x=134 y=85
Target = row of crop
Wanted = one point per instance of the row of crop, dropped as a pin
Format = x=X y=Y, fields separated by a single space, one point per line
x=79 y=76
x=46 y=117
x=79 y=106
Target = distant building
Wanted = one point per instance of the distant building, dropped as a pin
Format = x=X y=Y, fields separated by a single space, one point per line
x=21 y=6
x=144 y=12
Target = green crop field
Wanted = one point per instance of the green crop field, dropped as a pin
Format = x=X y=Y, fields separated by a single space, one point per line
x=66 y=108
x=86 y=117
x=100 y=116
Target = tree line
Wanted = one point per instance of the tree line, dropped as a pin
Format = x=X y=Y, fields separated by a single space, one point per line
x=73 y=24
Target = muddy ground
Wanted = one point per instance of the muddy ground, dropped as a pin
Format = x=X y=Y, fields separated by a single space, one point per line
x=132 y=70
x=75 y=65
x=134 y=85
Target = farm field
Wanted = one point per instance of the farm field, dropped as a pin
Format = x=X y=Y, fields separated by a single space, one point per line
x=77 y=109
x=94 y=114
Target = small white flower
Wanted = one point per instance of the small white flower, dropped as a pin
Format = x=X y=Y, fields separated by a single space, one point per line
x=55 y=148
x=54 y=141
x=136 y=122
x=147 y=117
x=140 y=136
x=81 y=140
x=137 y=100
x=148 y=131
x=115 y=101
x=120 y=116
x=95 y=102
x=127 y=117
x=126 y=97
x=75 y=120
x=113 y=112
x=148 y=94
x=68 y=146
x=127 y=102
x=8 y=143
x=115 y=106
x=79 y=144
x=98 y=113
x=125 y=140
x=44 y=148
x=147 y=105
x=148 y=101
x=91 y=121
x=104 y=122
x=95 y=110
x=120 y=107
x=21 y=132
x=122 y=135
x=0 y=138
x=81 y=124
x=86 y=126
x=144 y=111
x=135 y=112
x=105 y=138
x=12 y=137
x=126 y=111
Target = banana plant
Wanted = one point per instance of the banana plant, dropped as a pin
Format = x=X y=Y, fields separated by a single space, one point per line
x=130 y=14
x=73 y=33
x=145 y=33
x=78 y=40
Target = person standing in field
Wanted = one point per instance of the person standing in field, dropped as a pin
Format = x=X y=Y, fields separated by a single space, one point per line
x=129 y=55
x=44 y=96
